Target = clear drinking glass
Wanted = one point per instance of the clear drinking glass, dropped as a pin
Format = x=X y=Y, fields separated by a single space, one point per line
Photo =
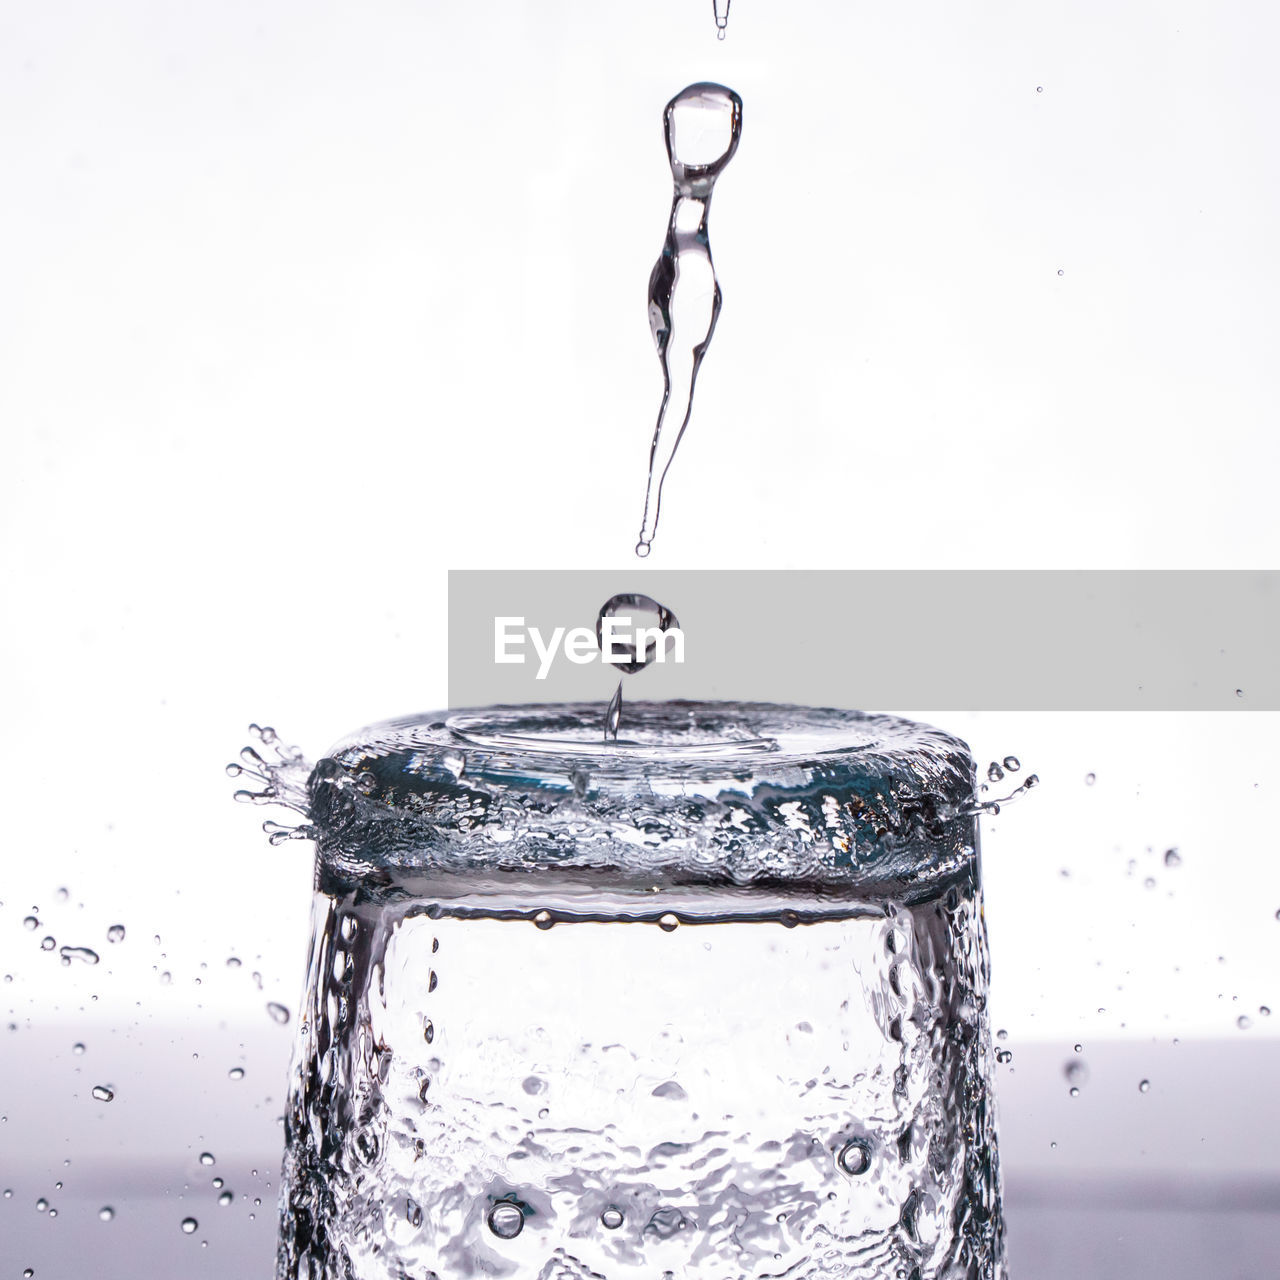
x=708 y=1001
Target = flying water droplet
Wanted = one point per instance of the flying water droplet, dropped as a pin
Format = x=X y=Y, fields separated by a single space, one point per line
x=1172 y=858
x=106 y=1213
x=236 y=1073
x=77 y=1048
x=226 y=1198
x=30 y=922
x=506 y=1220
x=189 y=1225
x=1077 y=1073
x=41 y=1205
x=668 y=923
x=1090 y=779
x=703 y=124
x=115 y=933
x=48 y=943
x=84 y=955
x=279 y=1013
x=1244 y=1022
x=1144 y=1086
x=1012 y=764
x=207 y=1158
x=102 y=1093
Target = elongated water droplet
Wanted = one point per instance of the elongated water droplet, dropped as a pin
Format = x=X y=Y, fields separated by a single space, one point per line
x=85 y=955
x=102 y=1093
x=703 y=124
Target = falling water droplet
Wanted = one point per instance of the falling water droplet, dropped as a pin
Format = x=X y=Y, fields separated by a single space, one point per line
x=855 y=1157
x=106 y=1213
x=102 y=1093
x=48 y=944
x=207 y=1158
x=115 y=933
x=236 y=1073
x=994 y=772
x=1012 y=764
x=226 y=1198
x=506 y=1220
x=703 y=124
x=1090 y=779
x=1172 y=858
x=77 y=1048
x=189 y=1225
x=279 y=1013
x=544 y=920
x=41 y=1205
x=611 y=1219
x=83 y=954
x=30 y=922
x=1144 y=1086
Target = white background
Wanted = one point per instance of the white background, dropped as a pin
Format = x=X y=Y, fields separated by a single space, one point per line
x=302 y=305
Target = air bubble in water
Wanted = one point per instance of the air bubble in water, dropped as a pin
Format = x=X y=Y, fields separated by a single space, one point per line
x=102 y=1093
x=506 y=1220
x=189 y=1225
x=278 y=1012
x=206 y=1158
x=855 y=1157
x=106 y=1213
x=611 y=1219
x=77 y=1048
x=703 y=124
x=115 y=933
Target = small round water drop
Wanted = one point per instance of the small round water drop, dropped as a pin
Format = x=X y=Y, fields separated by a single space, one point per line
x=1012 y=764
x=1144 y=1086
x=1060 y=272
x=206 y=1158
x=1172 y=858
x=1264 y=1011
x=48 y=943
x=77 y=1048
x=279 y=1013
x=115 y=933
x=506 y=1220
x=1244 y=1022
x=106 y=1213
x=855 y=1157
x=544 y=920
x=1090 y=779
x=30 y=922
x=668 y=923
x=611 y=1219
x=1074 y=1092
x=236 y=1073
x=189 y=1225
x=994 y=772
x=102 y=1093
x=41 y=1205
x=226 y=1198
x=27 y=1273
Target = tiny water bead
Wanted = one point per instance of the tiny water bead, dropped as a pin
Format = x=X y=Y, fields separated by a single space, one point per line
x=207 y=1158
x=189 y=1225
x=1090 y=779
x=77 y=1048
x=48 y=943
x=611 y=1219
x=41 y=1205
x=1012 y=764
x=544 y=920
x=1172 y=858
x=30 y=922
x=226 y=1198
x=1244 y=1022
x=1144 y=1086
x=115 y=933
x=855 y=1157
x=106 y=1213
x=236 y=1073
x=668 y=923
x=506 y=1220
x=102 y=1093
x=279 y=1013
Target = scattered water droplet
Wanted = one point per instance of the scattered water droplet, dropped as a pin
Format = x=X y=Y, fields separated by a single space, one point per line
x=279 y=1013
x=206 y=1158
x=1074 y=1092
x=1244 y=1022
x=855 y=1156
x=534 y=1085
x=994 y=772
x=1264 y=1011
x=1144 y=1086
x=106 y=1213
x=1172 y=858
x=115 y=933
x=41 y=1205
x=1149 y=882
x=77 y=1048
x=506 y=1220
x=1012 y=764
x=30 y=922
x=236 y=1073
x=189 y=1225
x=1077 y=1073
x=102 y=1093
x=1090 y=779
x=1004 y=1056
x=48 y=944
x=226 y=1198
